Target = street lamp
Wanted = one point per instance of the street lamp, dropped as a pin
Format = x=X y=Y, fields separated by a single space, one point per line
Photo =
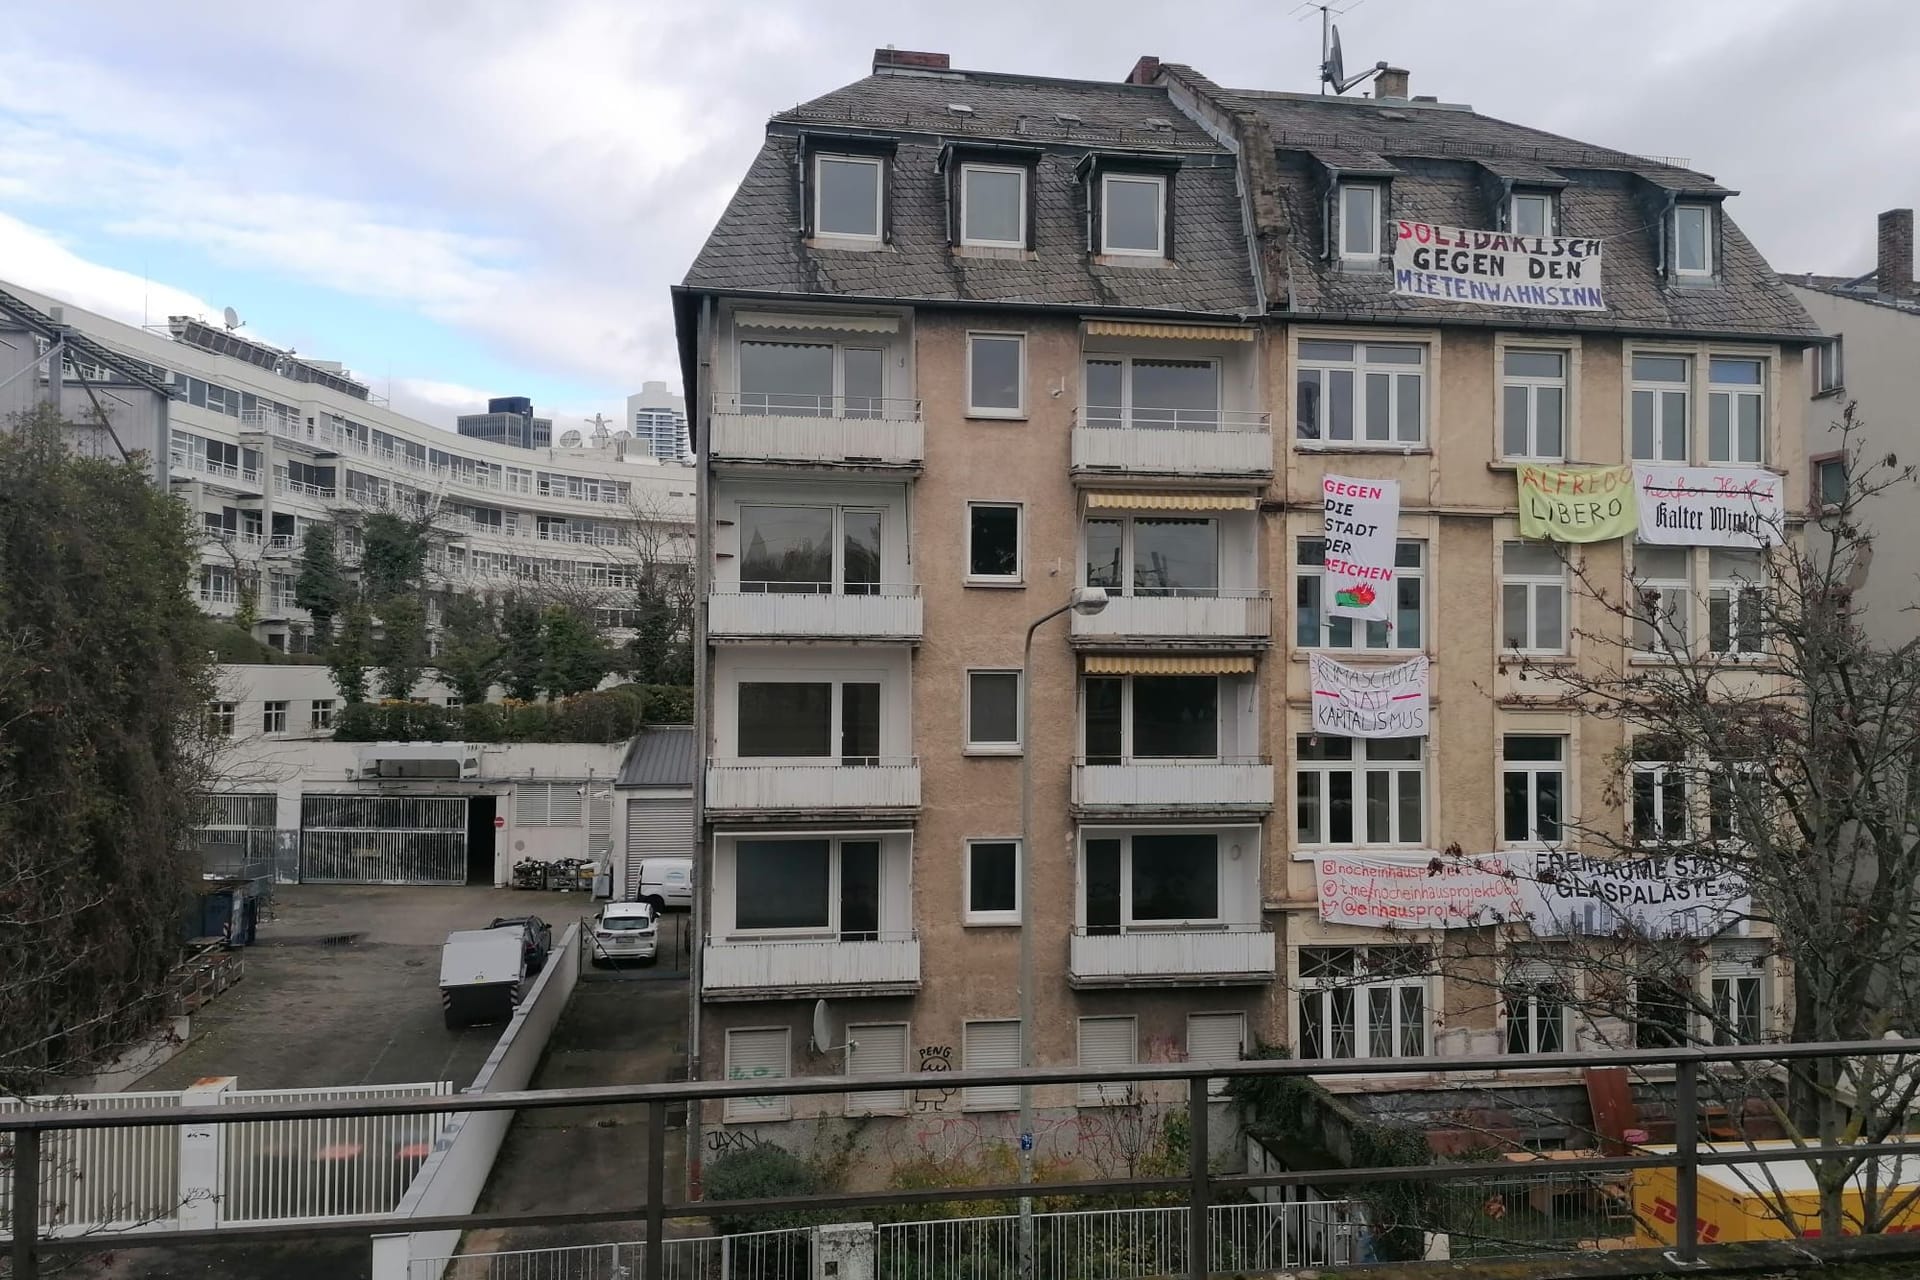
x=1085 y=601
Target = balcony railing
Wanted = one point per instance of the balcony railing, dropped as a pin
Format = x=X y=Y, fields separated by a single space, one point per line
x=1173 y=442
x=788 y=786
x=202 y=465
x=741 y=968
x=282 y=484
x=1205 y=616
x=1169 y=957
x=1225 y=783
x=876 y=611
x=768 y=427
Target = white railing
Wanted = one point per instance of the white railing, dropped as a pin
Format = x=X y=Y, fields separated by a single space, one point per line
x=884 y=432
x=1170 y=442
x=882 y=611
x=272 y=421
x=1161 y=784
x=1219 y=615
x=751 y=1255
x=732 y=964
x=282 y=484
x=281 y=542
x=1227 y=951
x=102 y=1179
x=750 y=785
x=291 y=1170
x=213 y=596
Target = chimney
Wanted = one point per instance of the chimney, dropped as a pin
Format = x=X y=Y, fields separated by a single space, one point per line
x=885 y=59
x=1144 y=71
x=1893 y=275
x=1391 y=83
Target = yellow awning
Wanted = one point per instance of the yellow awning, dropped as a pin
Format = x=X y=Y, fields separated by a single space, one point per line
x=1172 y=502
x=1163 y=665
x=1182 y=332
x=836 y=323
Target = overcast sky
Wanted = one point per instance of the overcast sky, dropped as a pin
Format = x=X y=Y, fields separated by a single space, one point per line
x=492 y=197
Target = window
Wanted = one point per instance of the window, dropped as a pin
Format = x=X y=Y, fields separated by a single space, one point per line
x=1533 y=405
x=220 y=719
x=1533 y=598
x=993 y=542
x=1359 y=790
x=273 y=717
x=811 y=379
x=1659 y=792
x=1736 y=429
x=1216 y=1037
x=814 y=886
x=1660 y=409
x=1536 y=1009
x=1736 y=795
x=1359 y=222
x=1129 y=391
x=1155 y=880
x=993 y=711
x=1314 y=629
x=1533 y=787
x=1107 y=1042
x=1530 y=213
x=810 y=720
x=1363 y=1002
x=1661 y=599
x=547 y=804
x=1154 y=555
x=990 y=1046
x=320 y=717
x=877 y=1049
x=1133 y=215
x=1663 y=1006
x=217 y=585
x=1738 y=994
x=1362 y=394
x=993 y=882
x=1129 y=718
x=1829 y=366
x=1830 y=481
x=993 y=206
x=846 y=196
x=758 y=1053
x=1735 y=602
x=1693 y=240
x=996 y=375
x=794 y=550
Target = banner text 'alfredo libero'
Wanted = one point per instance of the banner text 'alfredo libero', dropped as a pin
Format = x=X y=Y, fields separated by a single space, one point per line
x=1362 y=527
x=1497 y=268
x=1577 y=504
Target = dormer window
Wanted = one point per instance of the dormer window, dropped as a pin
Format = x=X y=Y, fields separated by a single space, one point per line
x=847 y=191
x=1360 y=221
x=1530 y=213
x=993 y=206
x=1133 y=215
x=1693 y=240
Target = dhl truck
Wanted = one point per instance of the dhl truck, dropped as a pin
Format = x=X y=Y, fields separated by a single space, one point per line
x=1770 y=1200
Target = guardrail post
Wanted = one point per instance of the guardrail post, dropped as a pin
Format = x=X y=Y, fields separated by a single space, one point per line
x=657 y=1189
x=26 y=1204
x=1686 y=1133
x=1199 y=1216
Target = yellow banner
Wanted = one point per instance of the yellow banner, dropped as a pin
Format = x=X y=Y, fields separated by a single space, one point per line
x=1578 y=504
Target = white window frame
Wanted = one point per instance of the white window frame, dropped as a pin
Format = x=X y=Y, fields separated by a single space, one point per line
x=533 y=804
x=1704 y=271
x=1734 y=393
x=837 y=513
x=771 y=1107
x=320 y=714
x=1358 y=366
x=1660 y=390
x=1667 y=619
x=1013 y=748
x=1237 y=1019
x=1319 y=990
x=1360 y=766
x=1534 y=383
x=1731 y=969
x=1129 y=923
x=1377 y=193
x=1225 y=704
x=1533 y=771
x=273 y=715
x=834 y=925
x=836 y=710
x=1126 y=521
x=222 y=718
x=1547 y=203
x=1018 y=577
x=993 y=1097
x=968 y=913
x=1819 y=468
x=1114 y=1093
x=966 y=203
x=879 y=197
x=1829 y=365
x=839 y=403
x=997 y=411
x=1746 y=639
x=1202 y=419
x=884 y=1102
x=1159 y=184
x=1533 y=585
x=1364 y=630
x=1527 y=992
x=1660 y=773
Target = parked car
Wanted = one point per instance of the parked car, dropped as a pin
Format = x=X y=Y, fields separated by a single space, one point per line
x=666 y=882
x=480 y=975
x=536 y=940
x=625 y=931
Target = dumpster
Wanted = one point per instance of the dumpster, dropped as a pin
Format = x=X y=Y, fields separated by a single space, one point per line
x=1746 y=1201
x=480 y=972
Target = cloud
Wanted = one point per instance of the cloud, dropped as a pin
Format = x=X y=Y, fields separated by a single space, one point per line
x=39 y=262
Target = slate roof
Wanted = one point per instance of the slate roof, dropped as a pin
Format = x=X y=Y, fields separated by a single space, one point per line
x=1862 y=288
x=662 y=757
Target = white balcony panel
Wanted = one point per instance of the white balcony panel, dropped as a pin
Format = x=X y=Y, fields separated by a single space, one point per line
x=1242 y=952
x=892 y=614
x=1246 y=616
x=745 y=786
x=1239 y=450
x=765 y=437
x=1237 y=784
x=892 y=962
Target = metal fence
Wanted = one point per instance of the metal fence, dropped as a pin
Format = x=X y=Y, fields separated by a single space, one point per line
x=295 y=1170
x=754 y=1255
x=352 y=839
x=115 y=1179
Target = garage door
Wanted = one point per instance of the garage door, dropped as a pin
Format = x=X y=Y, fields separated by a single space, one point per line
x=657 y=828
x=352 y=839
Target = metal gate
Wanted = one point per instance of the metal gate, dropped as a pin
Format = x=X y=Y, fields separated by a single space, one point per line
x=358 y=839
x=656 y=828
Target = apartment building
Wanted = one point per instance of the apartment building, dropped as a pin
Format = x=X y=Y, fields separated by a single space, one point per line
x=963 y=343
x=657 y=420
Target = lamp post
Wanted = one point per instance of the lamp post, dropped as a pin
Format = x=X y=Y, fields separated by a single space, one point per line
x=1085 y=601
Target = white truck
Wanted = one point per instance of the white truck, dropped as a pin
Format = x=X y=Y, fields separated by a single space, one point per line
x=480 y=976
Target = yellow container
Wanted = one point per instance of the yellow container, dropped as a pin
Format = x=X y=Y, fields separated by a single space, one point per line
x=1760 y=1200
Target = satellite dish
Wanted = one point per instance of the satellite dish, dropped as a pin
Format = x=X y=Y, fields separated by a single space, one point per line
x=232 y=318
x=823 y=1031
x=1334 y=69
x=569 y=439
x=623 y=435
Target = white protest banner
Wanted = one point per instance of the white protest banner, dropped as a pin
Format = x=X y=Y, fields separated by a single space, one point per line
x=1363 y=521
x=1369 y=702
x=1659 y=896
x=1710 y=506
x=1381 y=891
x=1497 y=268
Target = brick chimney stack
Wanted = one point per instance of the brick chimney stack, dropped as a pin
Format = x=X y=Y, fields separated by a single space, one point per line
x=1391 y=83
x=1145 y=70
x=1894 y=270
x=909 y=58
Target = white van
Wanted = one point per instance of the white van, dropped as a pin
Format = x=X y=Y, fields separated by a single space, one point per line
x=666 y=882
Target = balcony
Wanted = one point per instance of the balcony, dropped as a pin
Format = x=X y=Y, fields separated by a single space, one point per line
x=1219 y=619
x=1178 y=785
x=748 y=786
x=318 y=440
x=1218 y=444
x=881 y=612
x=802 y=430
x=1198 y=956
x=810 y=968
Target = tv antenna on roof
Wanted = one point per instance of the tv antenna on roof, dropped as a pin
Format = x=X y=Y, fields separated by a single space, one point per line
x=232 y=318
x=1333 y=68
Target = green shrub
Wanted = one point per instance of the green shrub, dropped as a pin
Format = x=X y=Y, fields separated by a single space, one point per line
x=760 y=1173
x=668 y=703
x=607 y=715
